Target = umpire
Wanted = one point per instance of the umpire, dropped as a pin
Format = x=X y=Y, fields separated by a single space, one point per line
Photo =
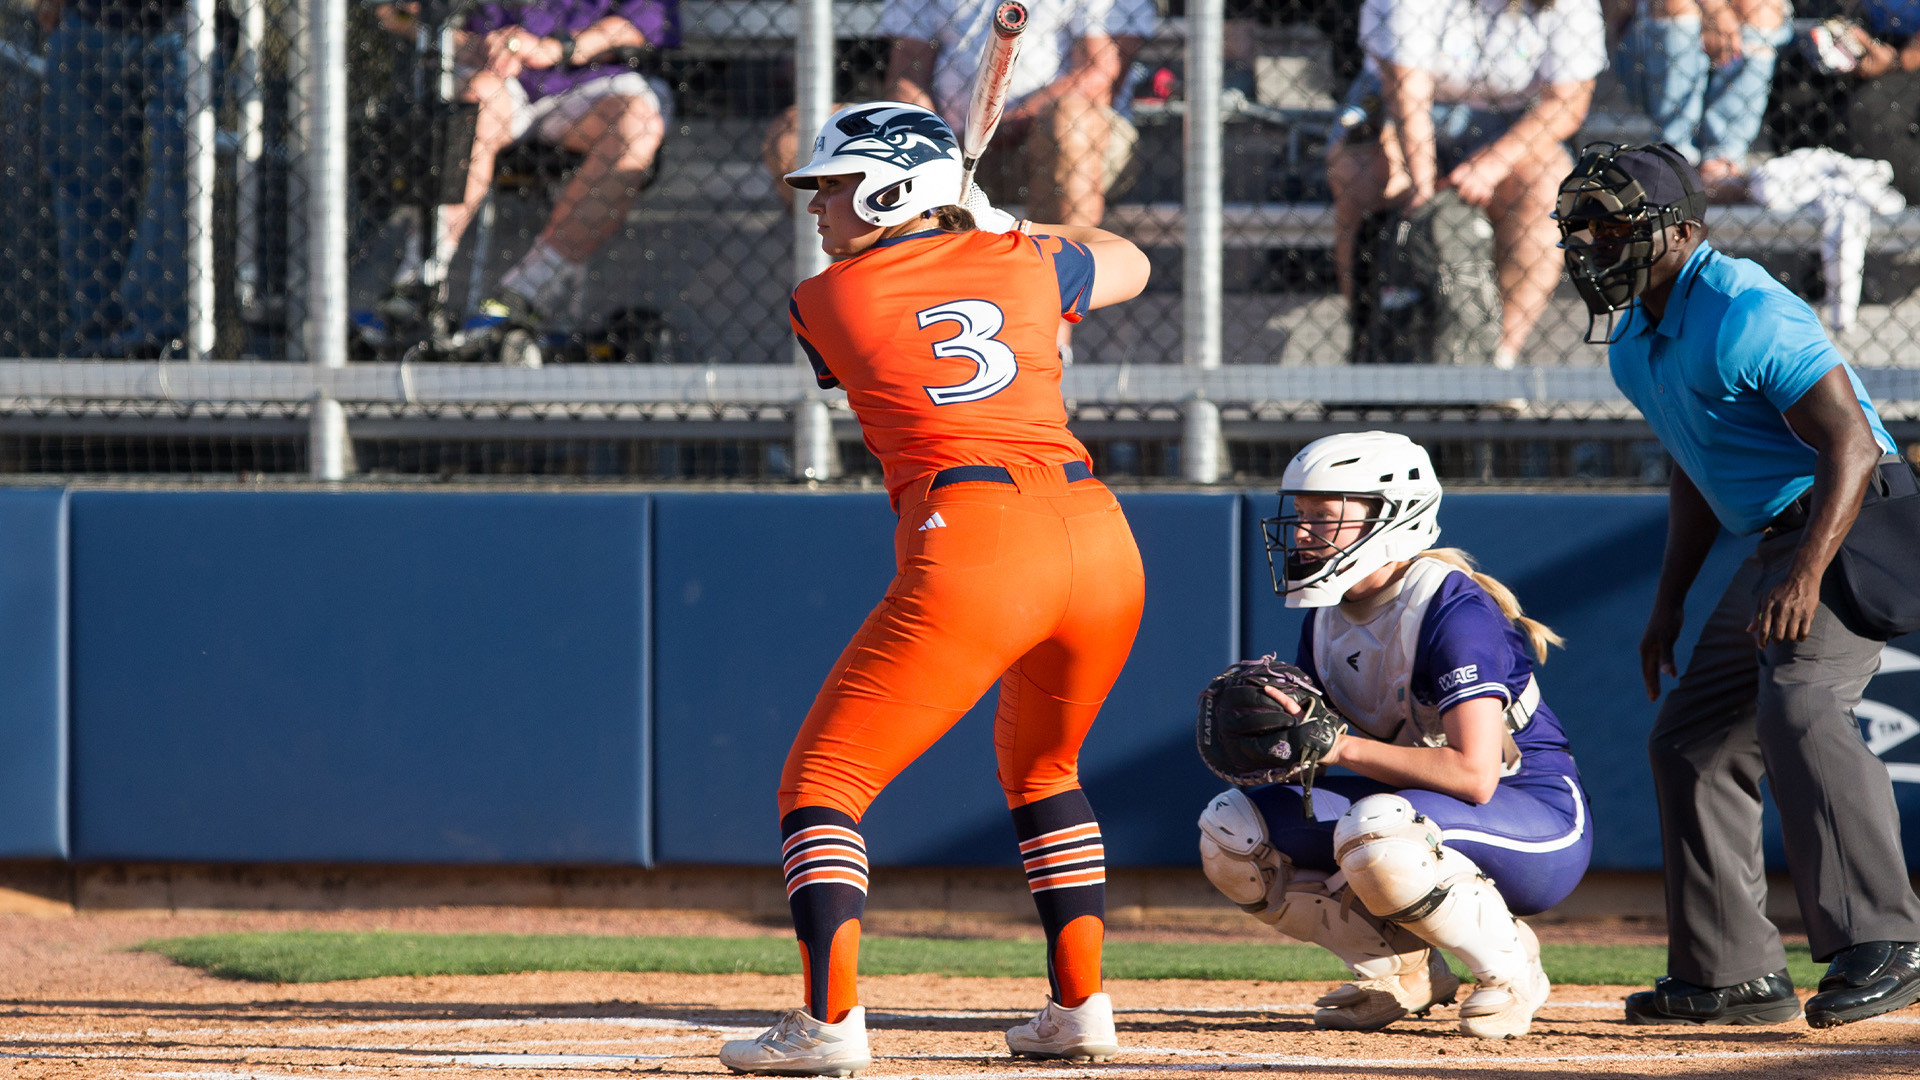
x=1770 y=433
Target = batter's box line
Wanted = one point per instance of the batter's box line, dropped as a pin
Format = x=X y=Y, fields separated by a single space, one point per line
x=1361 y=1065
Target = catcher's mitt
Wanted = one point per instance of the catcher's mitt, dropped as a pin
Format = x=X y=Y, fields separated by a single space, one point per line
x=1246 y=738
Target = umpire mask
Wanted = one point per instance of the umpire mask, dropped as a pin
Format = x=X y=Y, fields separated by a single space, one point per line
x=1613 y=211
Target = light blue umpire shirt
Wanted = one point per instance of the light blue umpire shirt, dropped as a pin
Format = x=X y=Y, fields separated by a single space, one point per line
x=1733 y=352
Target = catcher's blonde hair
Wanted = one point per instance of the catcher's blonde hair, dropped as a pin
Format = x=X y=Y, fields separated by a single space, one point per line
x=1538 y=634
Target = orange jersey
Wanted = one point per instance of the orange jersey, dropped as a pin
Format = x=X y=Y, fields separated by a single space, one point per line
x=945 y=345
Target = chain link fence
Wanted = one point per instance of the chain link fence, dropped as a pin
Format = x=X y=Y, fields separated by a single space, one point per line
x=556 y=186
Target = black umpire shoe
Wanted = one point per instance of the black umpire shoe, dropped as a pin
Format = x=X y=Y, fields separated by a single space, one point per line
x=1768 y=999
x=1865 y=980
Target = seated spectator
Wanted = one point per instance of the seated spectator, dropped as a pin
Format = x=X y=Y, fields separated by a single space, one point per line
x=1876 y=57
x=539 y=70
x=1702 y=69
x=1062 y=145
x=116 y=147
x=1478 y=96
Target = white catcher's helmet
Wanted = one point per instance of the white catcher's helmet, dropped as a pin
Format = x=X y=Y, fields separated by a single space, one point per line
x=906 y=156
x=1389 y=469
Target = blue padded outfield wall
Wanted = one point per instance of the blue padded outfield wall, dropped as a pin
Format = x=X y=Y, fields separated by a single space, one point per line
x=613 y=679
x=309 y=677
x=33 y=674
x=757 y=594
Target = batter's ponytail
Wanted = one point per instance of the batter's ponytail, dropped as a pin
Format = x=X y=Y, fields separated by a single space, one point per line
x=1538 y=634
x=953 y=219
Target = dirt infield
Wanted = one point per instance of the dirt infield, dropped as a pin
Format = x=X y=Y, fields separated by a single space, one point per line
x=75 y=1004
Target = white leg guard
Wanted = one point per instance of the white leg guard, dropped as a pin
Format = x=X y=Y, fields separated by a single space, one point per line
x=1395 y=971
x=1397 y=866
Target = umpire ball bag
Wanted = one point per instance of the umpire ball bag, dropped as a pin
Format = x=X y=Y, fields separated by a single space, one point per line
x=1424 y=286
x=1877 y=569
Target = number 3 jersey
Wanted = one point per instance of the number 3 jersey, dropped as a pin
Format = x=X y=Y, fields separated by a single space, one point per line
x=945 y=344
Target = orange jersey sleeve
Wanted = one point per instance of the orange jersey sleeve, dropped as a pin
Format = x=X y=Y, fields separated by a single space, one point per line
x=945 y=344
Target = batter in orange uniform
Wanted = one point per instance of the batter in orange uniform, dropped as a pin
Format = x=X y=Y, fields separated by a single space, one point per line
x=1014 y=565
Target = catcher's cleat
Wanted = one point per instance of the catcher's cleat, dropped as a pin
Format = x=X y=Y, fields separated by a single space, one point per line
x=799 y=1044
x=1082 y=1033
x=1504 y=1010
x=1371 y=1004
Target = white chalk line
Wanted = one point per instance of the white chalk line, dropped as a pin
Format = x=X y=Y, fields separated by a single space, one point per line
x=251 y=1075
x=1293 y=1061
x=696 y=1030
x=1350 y=1064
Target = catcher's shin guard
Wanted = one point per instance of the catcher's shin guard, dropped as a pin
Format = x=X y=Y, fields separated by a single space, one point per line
x=825 y=861
x=1066 y=867
x=1397 y=866
x=1395 y=973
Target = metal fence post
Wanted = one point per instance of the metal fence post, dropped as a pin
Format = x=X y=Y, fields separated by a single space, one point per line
x=248 y=175
x=1201 y=444
x=325 y=172
x=1200 y=260
x=812 y=440
x=202 y=158
x=291 y=20
x=813 y=103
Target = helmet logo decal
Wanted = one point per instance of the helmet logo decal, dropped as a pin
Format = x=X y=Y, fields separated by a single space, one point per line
x=902 y=139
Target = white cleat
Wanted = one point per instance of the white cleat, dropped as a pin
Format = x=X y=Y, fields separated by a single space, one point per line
x=1498 y=1010
x=1371 y=1004
x=1082 y=1033
x=801 y=1045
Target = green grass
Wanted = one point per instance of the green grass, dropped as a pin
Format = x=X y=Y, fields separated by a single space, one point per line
x=308 y=956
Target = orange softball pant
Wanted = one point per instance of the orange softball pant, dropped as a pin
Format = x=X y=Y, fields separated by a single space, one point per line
x=1037 y=584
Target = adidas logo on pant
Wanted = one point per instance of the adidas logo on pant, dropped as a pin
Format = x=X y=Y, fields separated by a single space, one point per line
x=934 y=522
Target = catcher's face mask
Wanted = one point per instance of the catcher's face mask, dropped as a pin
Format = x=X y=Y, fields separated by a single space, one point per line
x=1612 y=234
x=1316 y=537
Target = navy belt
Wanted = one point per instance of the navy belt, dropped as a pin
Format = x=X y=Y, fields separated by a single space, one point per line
x=997 y=474
x=1894 y=472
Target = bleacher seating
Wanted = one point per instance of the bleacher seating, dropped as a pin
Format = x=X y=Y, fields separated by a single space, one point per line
x=709 y=244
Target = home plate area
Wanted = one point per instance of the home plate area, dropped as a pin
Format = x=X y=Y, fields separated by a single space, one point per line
x=500 y=1026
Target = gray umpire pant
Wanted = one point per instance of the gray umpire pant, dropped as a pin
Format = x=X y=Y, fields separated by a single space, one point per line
x=1785 y=712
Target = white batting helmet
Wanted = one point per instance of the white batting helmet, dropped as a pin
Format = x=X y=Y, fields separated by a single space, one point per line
x=1391 y=470
x=906 y=156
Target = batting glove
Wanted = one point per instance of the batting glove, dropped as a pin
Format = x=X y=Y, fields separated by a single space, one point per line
x=988 y=217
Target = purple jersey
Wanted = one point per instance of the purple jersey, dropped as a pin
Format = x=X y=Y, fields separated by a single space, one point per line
x=1468 y=649
x=658 y=20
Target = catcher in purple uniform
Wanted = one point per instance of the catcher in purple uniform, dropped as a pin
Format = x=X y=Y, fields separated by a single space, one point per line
x=1413 y=672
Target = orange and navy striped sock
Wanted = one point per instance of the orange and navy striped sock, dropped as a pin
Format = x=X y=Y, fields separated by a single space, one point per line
x=826 y=866
x=1067 y=874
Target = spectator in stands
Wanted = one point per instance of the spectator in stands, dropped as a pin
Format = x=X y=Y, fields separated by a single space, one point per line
x=1874 y=57
x=542 y=69
x=1477 y=96
x=1702 y=70
x=1062 y=144
x=116 y=149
